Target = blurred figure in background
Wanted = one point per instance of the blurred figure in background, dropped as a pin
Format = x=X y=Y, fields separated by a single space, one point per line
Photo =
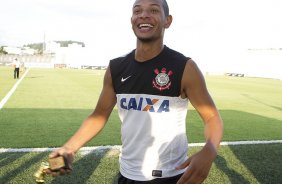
x=16 y=65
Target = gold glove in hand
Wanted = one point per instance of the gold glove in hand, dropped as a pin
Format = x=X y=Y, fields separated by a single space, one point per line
x=53 y=165
x=40 y=173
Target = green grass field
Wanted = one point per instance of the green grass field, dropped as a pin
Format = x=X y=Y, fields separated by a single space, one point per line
x=6 y=80
x=50 y=104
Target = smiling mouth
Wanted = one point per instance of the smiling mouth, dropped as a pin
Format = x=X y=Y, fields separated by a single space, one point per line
x=145 y=26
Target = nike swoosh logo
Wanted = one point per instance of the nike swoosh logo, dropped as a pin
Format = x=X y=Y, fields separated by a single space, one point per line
x=124 y=79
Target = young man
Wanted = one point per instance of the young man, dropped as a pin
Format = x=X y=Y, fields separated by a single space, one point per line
x=151 y=87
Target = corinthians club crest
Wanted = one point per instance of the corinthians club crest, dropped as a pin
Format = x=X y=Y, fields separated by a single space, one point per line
x=162 y=81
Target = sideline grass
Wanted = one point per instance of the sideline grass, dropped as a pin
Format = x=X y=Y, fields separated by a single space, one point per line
x=6 y=80
x=48 y=107
x=257 y=96
x=234 y=164
x=50 y=104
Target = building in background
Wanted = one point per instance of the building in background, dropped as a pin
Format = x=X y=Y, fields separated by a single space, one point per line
x=20 y=50
x=73 y=55
x=264 y=63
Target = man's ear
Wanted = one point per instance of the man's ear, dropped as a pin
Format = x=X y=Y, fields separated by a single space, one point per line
x=168 y=21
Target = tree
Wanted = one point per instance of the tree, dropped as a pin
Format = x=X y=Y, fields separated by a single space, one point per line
x=2 y=51
x=66 y=43
x=36 y=46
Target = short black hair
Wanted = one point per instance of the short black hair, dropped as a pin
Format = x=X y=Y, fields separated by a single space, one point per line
x=166 y=9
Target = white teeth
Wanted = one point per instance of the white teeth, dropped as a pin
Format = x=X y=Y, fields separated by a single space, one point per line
x=145 y=25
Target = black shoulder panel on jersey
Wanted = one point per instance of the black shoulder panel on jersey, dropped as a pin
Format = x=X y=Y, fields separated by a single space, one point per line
x=158 y=76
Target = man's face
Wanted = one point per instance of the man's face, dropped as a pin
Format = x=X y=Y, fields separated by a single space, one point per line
x=148 y=20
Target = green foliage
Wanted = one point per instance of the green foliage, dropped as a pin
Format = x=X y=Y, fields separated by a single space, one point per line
x=66 y=43
x=36 y=46
x=2 y=51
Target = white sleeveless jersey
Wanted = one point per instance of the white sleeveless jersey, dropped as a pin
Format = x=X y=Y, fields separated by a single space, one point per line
x=146 y=147
x=153 y=116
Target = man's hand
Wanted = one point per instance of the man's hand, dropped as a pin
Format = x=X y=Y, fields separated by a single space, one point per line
x=198 y=166
x=63 y=151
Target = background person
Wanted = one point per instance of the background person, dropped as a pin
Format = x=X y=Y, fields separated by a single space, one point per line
x=16 y=64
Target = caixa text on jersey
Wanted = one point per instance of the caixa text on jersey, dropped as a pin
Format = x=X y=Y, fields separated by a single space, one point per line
x=145 y=104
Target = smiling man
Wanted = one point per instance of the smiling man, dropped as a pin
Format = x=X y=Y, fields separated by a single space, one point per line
x=151 y=87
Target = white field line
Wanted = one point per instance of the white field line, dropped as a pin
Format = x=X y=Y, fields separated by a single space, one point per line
x=9 y=94
x=98 y=149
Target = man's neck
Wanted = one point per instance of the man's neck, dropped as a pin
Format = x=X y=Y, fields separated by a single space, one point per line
x=147 y=51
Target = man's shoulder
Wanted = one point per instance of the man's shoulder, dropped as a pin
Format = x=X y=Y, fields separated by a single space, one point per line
x=122 y=58
x=176 y=54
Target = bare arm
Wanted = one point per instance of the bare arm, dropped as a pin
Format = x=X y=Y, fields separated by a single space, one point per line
x=92 y=125
x=196 y=90
x=95 y=122
x=194 y=87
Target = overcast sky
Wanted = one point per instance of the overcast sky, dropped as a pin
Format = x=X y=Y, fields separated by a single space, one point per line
x=200 y=27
